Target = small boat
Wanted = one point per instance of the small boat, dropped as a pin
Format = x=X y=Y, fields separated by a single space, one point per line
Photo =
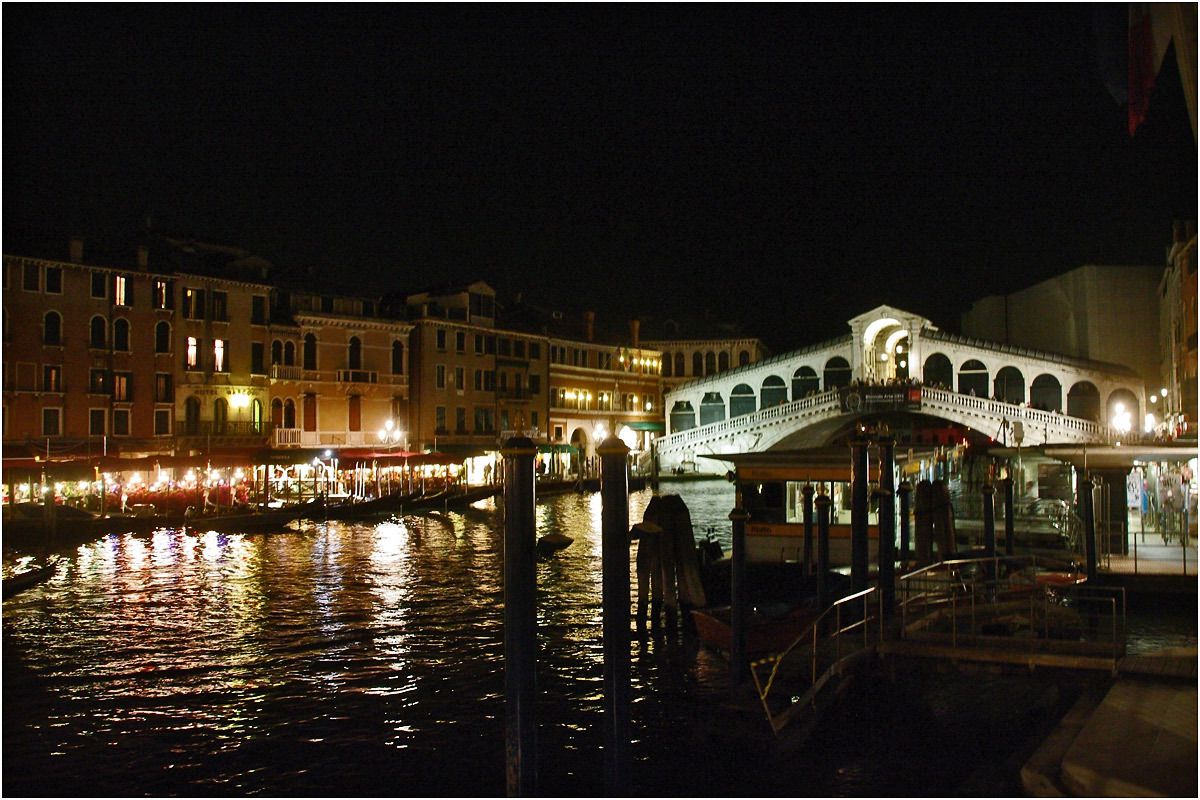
x=249 y=522
x=765 y=633
x=29 y=578
x=393 y=503
x=469 y=496
x=553 y=542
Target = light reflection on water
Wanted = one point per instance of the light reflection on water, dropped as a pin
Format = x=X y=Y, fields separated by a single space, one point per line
x=352 y=659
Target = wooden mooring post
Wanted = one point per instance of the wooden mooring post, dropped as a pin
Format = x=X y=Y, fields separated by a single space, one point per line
x=1008 y=516
x=989 y=518
x=823 y=504
x=905 y=491
x=520 y=616
x=808 y=492
x=614 y=556
x=887 y=524
x=738 y=667
x=859 y=479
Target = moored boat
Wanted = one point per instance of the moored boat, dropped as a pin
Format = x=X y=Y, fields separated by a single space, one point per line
x=765 y=633
x=29 y=578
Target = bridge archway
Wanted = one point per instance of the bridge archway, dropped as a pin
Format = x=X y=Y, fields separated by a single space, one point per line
x=1083 y=401
x=1046 y=393
x=837 y=373
x=805 y=382
x=579 y=445
x=938 y=371
x=712 y=408
x=679 y=373
x=774 y=391
x=683 y=416
x=697 y=364
x=1009 y=386
x=722 y=361
x=742 y=401
x=973 y=378
x=710 y=363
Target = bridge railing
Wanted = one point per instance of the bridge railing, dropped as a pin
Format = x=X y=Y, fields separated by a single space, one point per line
x=1011 y=411
x=780 y=411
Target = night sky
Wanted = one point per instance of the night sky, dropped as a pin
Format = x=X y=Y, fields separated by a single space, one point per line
x=786 y=166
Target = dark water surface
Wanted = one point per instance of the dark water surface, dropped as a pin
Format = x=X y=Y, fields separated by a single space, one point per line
x=351 y=660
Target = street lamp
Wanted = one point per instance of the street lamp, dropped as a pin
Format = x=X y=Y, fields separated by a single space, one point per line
x=390 y=434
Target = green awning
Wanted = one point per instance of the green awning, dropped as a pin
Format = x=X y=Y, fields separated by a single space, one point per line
x=647 y=426
x=557 y=448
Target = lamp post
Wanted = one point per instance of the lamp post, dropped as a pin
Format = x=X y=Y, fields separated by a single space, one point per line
x=390 y=435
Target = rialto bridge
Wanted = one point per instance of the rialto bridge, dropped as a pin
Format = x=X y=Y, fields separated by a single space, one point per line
x=895 y=361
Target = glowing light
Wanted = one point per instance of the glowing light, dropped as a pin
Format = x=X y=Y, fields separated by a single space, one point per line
x=239 y=399
x=903 y=364
x=238 y=474
x=883 y=356
x=1150 y=423
x=1153 y=398
x=1163 y=392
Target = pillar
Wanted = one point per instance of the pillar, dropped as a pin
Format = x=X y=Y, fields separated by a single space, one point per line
x=808 y=492
x=905 y=491
x=1083 y=491
x=737 y=596
x=614 y=537
x=989 y=519
x=887 y=524
x=823 y=504
x=520 y=616
x=1008 y=516
x=859 y=555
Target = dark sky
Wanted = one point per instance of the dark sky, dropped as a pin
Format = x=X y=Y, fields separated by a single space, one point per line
x=788 y=166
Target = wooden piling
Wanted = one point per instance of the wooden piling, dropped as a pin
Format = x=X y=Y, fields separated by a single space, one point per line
x=887 y=524
x=1008 y=517
x=923 y=511
x=989 y=518
x=808 y=492
x=520 y=616
x=859 y=479
x=738 y=599
x=614 y=496
x=823 y=504
x=905 y=491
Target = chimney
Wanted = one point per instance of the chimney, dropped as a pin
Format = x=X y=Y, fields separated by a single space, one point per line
x=589 y=321
x=75 y=250
x=143 y=258
x=634 y=324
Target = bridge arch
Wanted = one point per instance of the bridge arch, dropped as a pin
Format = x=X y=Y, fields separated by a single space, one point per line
x=1083 y=401
x=712 y=408
x=697 y=364
x=837 y=373
x=722 y=361
x=742 y=401
x=973 y=378
x=805 y=382
x=679 y=373
x=1009 y=386
x=773 y=392
x=1123 y=409
x=1046 y=393
x=710 y=363
x=683 y=416
x=938 y=371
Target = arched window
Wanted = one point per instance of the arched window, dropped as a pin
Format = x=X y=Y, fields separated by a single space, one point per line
x=310 y=352
x=256 y=415
x=162 y=337
x=973 y=378
x=121 y=335
x=276 y=352
x=805 y=382
x=774 y=391
x=354 y=358
x=277 y=413
x=310 y=412
x=220 y=415
x=710 y=362
x=722 y=361
x=1046 y=393
x=837 y=373
x=683 y=416
x=712 y=408
x=679 y=365
x=742 y=401
x=1083 y=401
x=1009 y=386
x=397 y=357
x=697 y=364
x=938 y=372
x=191 y=416
x=666 y=365
x=52 y=328
x=289 y=354
x=98 y=338
x=743 y=358
x=289 y=413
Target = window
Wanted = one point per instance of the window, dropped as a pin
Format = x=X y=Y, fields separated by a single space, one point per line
x=460 y=420
x=120 y=422
x=479 y=380
x=191 y=416
x=122 y=291
x=191 y=359
x=489 y=380
x=164 y=388
x=439 y=419
x=162 y=422
x=439 y=380
x=258 y=358
x=533 y=419
x=535 y=384
x=479 y=344
x=289 y=354
x=164 y=293
x=354 y=357
x=489 y=344
x=460 y=381
x=535 y=351
x=310 y=351
x=276 y=352
x=256 y=415
x=52 y=328
x=99 y=285
x=162 y=337
x=97 y=337
x=258 y=310
x=32 y=278
x=96 y=382
x=220 y=306
x=51 y=378
x=484 y=420
x=519 y=348
x=53 y=280
x=122 y=386
x=220 y=415
x=51 y=421
x=482 y=305
x=504 y=381
x=460 y=342
x=397 y=357
x=121 y=335
x=193 y=303
x=220 y=360
x=96 y=422
x=440 y=339
x=504 y=347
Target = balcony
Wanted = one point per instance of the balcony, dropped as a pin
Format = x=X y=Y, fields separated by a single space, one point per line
x=287 y=437
x=514 y=395
x=285 y=372
x=532 y=433
x=213 y=429
x=357 y=376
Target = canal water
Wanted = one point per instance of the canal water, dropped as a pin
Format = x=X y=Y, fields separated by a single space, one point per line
x=366 y=660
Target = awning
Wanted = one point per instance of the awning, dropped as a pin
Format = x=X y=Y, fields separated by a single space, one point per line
x=646 y=426
x=557 y=448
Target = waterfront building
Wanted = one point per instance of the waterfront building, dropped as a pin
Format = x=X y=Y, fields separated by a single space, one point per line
x=1177 y=334
x=696 y=349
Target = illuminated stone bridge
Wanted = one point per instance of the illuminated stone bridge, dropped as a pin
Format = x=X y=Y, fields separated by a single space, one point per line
x=895 y=361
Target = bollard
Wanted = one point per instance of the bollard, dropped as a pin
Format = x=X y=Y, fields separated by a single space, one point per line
x=887 y=524
x=905 y=491
x=808 y=492
x=823 y=504
x=520 y=616
x=989 y=519
x=614 y=526
x=1008 y=517
x=737 y=596
x=859 y=556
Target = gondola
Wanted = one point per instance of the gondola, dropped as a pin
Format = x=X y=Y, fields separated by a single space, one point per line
x=29 y=578
x=275 y=519
x=394 y=503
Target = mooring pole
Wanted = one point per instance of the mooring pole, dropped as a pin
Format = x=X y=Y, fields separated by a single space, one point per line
x=859 y=557
x=887 y=523
x=614 y=552
x=823 y=504
x=1008 y=516
x=520 y=616
x=808 y=493
x=1086 y=487
x=989 y=519
x=905 y=491
x=737 y=596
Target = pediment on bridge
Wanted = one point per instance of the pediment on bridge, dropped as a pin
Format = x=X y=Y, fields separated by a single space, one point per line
x=905 y=318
